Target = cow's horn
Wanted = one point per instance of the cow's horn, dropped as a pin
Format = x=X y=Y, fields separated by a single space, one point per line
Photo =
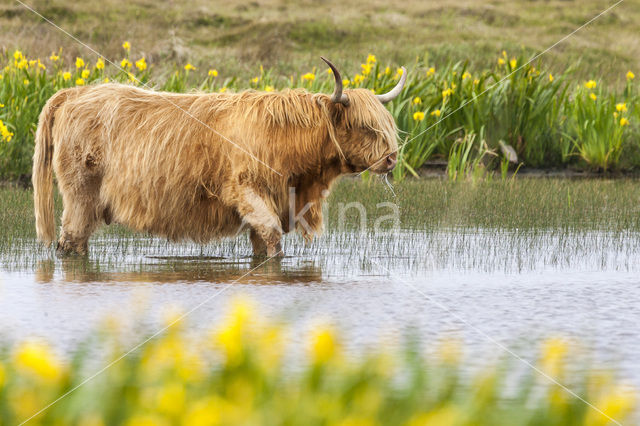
x=393 y=93
x=337 y=96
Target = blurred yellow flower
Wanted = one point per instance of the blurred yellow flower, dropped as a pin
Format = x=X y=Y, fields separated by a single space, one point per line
x=141 y=64
x=41 y=65
x=32 y=63
x=22 y=64
x=106 y=79
x=54 y=57
x=17 y=55
x=146 y=420
x=345 y=82
x=550 y=77
x=100 y=64
x=387 y=71
x=398 y=73
x=213 y=73
x=255 y=80
x=553 y=353
x=25 y=82
x=171 y=398
x=126 y=46
x=4 y=132
x=66 y=76
x=132 y=77
x=436 y=113
x=500 y=61
x=79 y=82
x=476 y=81
x=417 y=100
x=621 y=107
x=447 y=414
x=630 y=75
x=79 y=62
x=309 y=76
x=466 y=75
x=125 y=63
x=591 y=84
x=268 y=88
x=203 y=412
x=431 y=71
x=371 y=59
x=593 y=96
x=447 y=92
x=35 y=358
x=504 y=53
x=189 y=67
x=366 y=68
x=323 y=345
x=624 y=122
x=513 y=63
x=616 y=404
x=357 y=79
x=231 y=336
x=223 y=89
x=418 y=116
x=85 y=73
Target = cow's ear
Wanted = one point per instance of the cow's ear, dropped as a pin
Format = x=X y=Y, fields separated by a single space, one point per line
x=336 y=110
x=337 y=113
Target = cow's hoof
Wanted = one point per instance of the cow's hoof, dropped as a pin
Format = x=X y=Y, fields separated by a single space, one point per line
x=275 y=251
x=260 y=253
x=67 y=249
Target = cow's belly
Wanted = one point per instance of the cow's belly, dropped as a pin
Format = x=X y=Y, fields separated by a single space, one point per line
x=196 y=218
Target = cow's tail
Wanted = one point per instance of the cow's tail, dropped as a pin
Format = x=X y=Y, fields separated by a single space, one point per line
x=42 y=175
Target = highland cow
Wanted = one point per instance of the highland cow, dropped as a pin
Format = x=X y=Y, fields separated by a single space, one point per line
x=203 y=165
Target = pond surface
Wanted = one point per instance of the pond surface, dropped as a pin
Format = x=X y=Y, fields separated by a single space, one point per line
x=484 y=287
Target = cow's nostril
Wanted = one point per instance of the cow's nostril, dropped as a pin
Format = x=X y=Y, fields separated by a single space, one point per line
x=391 y=160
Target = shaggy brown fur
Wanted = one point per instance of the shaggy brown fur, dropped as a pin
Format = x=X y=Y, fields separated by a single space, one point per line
x=152 y=162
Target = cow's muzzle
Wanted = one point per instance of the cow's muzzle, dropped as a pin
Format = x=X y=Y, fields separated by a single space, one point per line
x=390 y=161
x=385 y=164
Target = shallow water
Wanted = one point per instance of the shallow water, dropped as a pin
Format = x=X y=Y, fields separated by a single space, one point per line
x=482 y=286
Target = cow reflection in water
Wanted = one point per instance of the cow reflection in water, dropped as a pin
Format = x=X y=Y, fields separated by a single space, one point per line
x=182 y=270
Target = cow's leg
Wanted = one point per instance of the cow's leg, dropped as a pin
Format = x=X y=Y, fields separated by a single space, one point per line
x=266 y=230
x=79 y=220
x=258 y=244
